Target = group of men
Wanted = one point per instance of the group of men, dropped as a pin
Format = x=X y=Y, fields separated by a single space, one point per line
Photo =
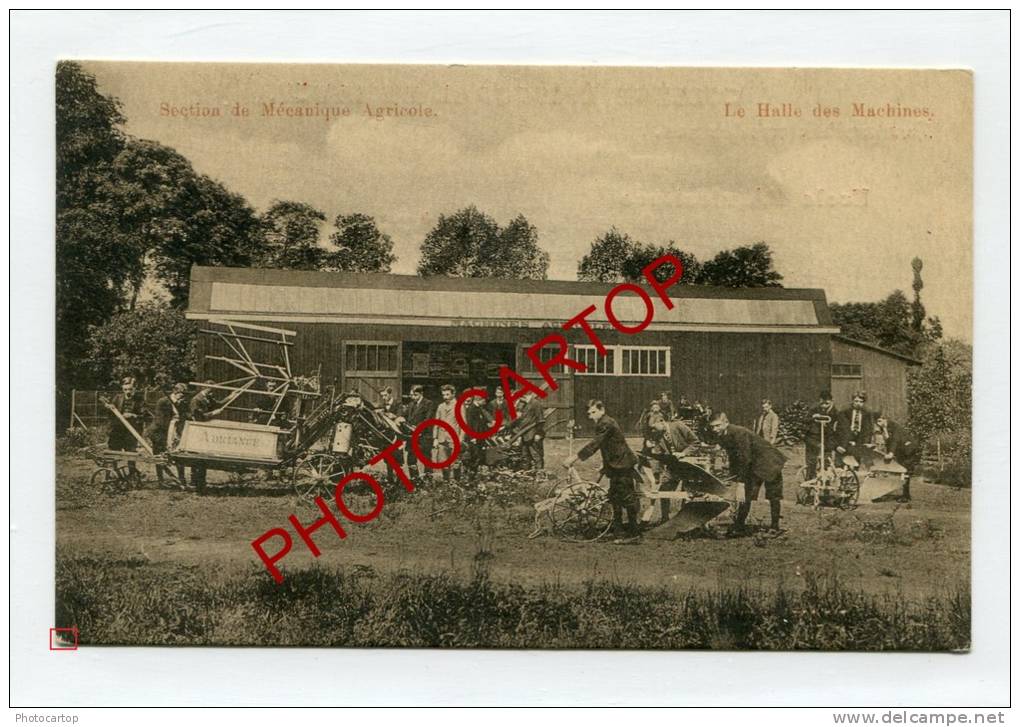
x=859 y=433
x=754 y=458
x=754 y=461
x=479 y=415
x=161 y=424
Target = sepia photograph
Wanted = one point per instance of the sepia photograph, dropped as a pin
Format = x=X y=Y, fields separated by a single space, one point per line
x=517 y=357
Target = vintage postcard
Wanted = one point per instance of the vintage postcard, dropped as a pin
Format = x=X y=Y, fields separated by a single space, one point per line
x=515 y=357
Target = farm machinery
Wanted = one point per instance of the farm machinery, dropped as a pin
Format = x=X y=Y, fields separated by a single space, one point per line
x=579 y=510
x=266 y=418
x=836 y=483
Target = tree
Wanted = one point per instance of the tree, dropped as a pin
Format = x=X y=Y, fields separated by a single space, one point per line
x=615 y=257
x=95 y=266
x=469 y=244
x=360 y=246
x=87 y=121
x=153 y=342
x=939 y=391
x=887 y=323
x=642 y=256
x=603 y=263
x=291 y=237
x=917 y=309
x=203 y=223
x=939 y=403
x=749 y=266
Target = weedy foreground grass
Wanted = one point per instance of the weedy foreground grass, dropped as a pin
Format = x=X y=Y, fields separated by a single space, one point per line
x=135 y=602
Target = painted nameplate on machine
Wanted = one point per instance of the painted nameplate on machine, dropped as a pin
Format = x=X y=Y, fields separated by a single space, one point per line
x=231 y=439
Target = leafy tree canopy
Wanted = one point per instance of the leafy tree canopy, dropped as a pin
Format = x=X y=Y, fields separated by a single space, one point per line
x=887 y=323
x=359 y=246
x=291 y=236
x=749 y=266
x=94 y=267
x=470 y=244
x=939 y=398
x=153 y=341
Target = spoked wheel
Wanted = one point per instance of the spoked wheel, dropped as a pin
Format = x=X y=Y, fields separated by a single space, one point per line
x=318 y=475
x=850 y=487
x=118 y=479
x=582 y=512
x=106 y=478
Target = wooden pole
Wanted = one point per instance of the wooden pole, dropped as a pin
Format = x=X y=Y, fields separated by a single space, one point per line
x=127 y=425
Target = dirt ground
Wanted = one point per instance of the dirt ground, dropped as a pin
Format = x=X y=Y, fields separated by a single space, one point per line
x=918 y=550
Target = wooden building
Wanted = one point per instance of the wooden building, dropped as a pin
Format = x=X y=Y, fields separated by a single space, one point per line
x=860 y=366
x=725 y=347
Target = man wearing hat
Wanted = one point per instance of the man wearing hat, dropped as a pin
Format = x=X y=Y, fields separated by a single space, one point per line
x=754 y=462
x=821 y=411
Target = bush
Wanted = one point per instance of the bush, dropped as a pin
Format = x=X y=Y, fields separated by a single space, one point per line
x=135 y=602
x=73 y=441
x=956 y=459
x=794 y=421
x=153 y=342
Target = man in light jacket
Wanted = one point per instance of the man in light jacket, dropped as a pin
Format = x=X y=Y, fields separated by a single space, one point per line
x=766 y=425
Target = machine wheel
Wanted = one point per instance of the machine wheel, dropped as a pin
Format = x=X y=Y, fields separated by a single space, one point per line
x=850 y=488
x=106 y=479
x=318 y=474
x=582 y=513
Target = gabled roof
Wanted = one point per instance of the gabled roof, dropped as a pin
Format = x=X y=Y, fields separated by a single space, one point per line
x=281 y=295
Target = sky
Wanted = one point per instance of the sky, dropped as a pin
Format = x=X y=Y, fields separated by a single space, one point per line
x=707 y=158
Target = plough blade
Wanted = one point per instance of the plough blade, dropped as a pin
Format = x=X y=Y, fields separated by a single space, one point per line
x=876 y=489
x=692 y=515
x=698 y=480
x=892 y=467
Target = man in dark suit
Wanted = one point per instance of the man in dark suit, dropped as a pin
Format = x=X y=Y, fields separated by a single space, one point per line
x=531 y=421
x=856 y=429
x=130 y=403
x=389 y=406
x=754 y=462
x=897 y=443
x=498 y=404
x=478 y=419
x=166 y=426
x=666 y=406
x=617 y=464
x=824 y=409
x=418 y=410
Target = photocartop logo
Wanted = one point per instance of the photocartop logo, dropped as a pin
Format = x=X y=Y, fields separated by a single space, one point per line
x=514 y=387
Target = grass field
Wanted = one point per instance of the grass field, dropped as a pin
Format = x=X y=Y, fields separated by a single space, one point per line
x=162 y=567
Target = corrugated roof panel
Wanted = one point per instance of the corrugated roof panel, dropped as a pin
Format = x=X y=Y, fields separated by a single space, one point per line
x=550 y=309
